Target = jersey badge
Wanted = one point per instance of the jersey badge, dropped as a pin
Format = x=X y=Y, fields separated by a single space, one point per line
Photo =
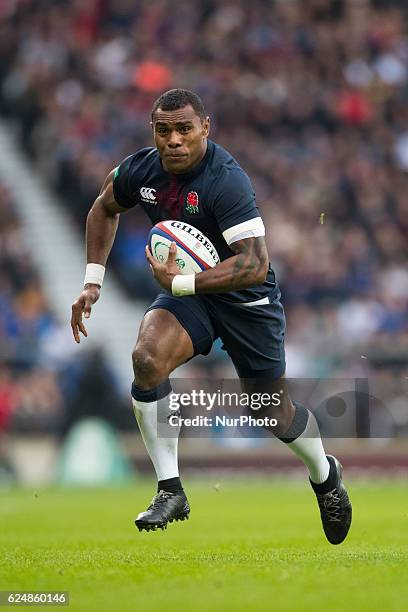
x=192 y=203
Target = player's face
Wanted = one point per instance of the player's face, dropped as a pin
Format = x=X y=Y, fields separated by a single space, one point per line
x=180 y=137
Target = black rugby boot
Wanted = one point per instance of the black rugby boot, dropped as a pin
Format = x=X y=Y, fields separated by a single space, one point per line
x=165 y=508
x=334 y=503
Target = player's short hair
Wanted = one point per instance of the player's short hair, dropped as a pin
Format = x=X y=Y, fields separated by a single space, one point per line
x=179 y=98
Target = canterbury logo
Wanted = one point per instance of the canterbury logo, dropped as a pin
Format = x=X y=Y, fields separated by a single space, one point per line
x=148 y=194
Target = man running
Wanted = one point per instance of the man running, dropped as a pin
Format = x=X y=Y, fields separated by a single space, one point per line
x=188 y=177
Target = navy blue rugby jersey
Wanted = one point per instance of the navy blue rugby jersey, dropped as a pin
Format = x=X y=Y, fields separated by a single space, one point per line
x=216 y=197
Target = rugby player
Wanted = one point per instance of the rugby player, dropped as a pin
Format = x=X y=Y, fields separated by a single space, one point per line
x=188 y=177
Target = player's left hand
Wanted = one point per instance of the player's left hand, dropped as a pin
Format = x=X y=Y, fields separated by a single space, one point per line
x=164 y=272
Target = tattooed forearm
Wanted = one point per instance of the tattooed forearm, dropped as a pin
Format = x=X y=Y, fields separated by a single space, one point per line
x=250 y=261
x=247 y=268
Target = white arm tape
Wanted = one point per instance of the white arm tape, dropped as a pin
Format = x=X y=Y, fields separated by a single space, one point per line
x=94 y=274
x=183 y=284
x=247 y=229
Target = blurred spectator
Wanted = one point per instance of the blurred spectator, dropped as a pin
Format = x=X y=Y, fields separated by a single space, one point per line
x=25 y=316
x=8 y=397
x=40 y=405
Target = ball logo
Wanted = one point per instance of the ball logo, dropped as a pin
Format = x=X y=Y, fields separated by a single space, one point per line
x=148 y=194
x=195 y=233
x=158 y=253
x=192 y=203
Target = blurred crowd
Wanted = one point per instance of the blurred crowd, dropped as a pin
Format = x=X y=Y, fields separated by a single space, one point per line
x=310 y=97
x=43 y=384
x=27 y=389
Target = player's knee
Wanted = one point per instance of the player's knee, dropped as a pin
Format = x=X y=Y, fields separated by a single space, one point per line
x=147 y=369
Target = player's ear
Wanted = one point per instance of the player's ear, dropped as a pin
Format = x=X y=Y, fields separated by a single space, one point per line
x=151 y=125
x=206 y=127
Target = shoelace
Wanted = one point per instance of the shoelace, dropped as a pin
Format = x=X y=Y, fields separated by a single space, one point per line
x=159 y=499
x=331 y=505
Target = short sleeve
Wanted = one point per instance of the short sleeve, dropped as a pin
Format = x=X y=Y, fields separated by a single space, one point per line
x=235 y=207
x=121 y=184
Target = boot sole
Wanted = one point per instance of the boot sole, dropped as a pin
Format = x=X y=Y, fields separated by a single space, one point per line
x=144 y=526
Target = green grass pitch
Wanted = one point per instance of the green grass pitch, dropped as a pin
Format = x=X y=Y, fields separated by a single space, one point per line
x=250 y=545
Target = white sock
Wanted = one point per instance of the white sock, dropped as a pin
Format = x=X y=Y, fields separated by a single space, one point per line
x=309 y=448
x=162 y=451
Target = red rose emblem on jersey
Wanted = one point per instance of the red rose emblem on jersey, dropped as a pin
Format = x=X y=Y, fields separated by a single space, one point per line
x=192 y=203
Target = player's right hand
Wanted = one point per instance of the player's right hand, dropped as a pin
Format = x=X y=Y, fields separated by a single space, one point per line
x=83 y=306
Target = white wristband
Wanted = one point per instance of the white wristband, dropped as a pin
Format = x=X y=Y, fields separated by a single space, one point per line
x=94 y=274
x=183 y=284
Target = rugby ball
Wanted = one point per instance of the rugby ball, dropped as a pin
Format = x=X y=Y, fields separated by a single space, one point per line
x=195 y=252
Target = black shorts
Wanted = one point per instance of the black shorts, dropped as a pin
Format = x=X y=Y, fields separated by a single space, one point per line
x=252 y=333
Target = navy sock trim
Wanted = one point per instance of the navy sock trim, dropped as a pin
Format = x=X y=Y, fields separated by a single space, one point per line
x=171 y=485
x=151 y=395
x=298 y=425
x=331 y=482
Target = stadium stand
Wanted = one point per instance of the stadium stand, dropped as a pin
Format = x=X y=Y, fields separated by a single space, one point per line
x=44 y=380
x=29 y=392
x=310 y=97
